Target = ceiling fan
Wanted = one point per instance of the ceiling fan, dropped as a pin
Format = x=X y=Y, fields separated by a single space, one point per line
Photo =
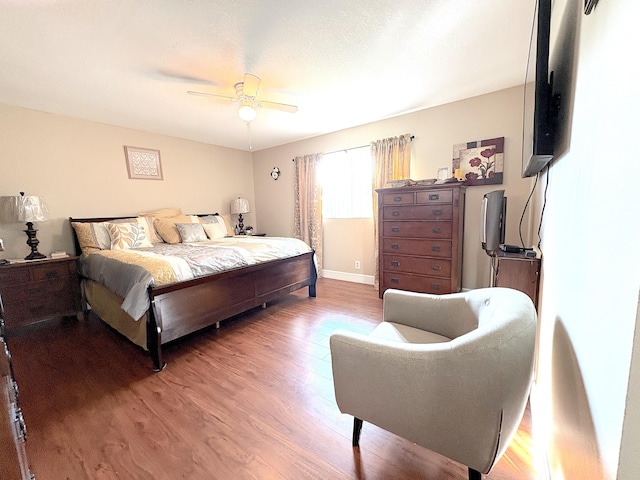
x=246 y=92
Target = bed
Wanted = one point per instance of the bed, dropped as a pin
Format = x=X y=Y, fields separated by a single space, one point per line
x=146 y=292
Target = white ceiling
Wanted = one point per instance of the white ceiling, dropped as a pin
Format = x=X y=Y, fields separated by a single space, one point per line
x=343 y=63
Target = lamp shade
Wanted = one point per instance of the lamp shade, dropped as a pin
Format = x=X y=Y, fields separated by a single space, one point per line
x=23 y=209
x=246 y=112
x=239 y=206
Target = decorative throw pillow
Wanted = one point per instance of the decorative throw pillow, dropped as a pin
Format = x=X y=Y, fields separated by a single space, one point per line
x=147 y=223
x=166 y=227
x=128 y=235
x=86 y=239
x=227 y=222
x=215 y=230
x=191 y=232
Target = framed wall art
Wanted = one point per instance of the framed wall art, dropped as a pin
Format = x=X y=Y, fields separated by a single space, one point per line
x=143 y=163
x=480 y=162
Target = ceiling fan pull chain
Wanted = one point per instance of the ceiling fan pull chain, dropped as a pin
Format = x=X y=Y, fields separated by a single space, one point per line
x=249 y=134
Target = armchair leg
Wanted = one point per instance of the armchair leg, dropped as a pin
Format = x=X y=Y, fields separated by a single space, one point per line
x=474 y=474
x=357 y=427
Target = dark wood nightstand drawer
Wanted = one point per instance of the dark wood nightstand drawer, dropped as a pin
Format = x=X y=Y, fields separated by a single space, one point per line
x=53 y=272
x=12 y=276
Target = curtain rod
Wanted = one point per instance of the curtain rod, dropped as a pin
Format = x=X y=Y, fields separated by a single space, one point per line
x=352 y=148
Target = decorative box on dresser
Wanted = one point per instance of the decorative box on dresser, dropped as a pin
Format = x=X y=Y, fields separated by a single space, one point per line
x=420 y=232
x=37 y=290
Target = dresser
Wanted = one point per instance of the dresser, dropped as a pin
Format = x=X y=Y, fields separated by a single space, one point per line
x=420 y=233
x=514 y=270
x=38 y=290
x=13 y=456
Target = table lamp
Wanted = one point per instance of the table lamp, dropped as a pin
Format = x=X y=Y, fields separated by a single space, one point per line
x=238 y=207
x=25 y=209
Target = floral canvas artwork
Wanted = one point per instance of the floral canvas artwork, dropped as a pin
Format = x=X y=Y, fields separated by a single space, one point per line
x=481 y=162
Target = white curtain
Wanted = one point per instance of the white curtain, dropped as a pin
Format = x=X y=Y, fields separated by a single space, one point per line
x=308 y=204
x=392 y=159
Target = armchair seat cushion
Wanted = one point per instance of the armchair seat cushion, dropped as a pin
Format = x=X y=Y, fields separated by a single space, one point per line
x=397 y=332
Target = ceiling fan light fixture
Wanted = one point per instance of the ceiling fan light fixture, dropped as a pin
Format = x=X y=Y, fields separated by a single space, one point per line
x=246 y=112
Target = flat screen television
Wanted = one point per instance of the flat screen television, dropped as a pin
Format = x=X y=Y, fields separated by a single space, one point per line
x=540 y=105
x=493 y=216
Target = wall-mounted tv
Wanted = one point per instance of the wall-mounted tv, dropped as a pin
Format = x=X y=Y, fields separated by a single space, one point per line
x=540 y=105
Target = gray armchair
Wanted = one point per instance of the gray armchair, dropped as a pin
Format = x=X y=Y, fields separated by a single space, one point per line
x=449 y=372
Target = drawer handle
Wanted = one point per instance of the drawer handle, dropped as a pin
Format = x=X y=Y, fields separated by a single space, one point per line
x=434 y=196
x=395 y=213
x=437 y=212
x=435 y=286
x=397 y=199
x=395 y=280
x=436 y=230
x=437 y=268
x=395 y=263
x=395 y=229
x=52 y=275
x=395 y=246
x=435 y=248
x=34 y=291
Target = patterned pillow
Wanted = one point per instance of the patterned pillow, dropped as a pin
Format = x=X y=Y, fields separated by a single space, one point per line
x=166 y=227
x=191 y=232
x=216 y=228
x=93 y=236
x=147 y=222
x=128 y=235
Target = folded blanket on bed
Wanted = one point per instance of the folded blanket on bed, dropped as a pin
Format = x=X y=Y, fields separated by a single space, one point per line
x=129 y=273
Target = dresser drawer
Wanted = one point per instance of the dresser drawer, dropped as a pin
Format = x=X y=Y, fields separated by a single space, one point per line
x=415 y=212
x=28 y=291
x=39 y=308
x=10 y=275
x=419 y=265
x=431 y=248
x=426 y=229
x=52 y=272
x=440 y=196
x=398 y=198
x=416 y=283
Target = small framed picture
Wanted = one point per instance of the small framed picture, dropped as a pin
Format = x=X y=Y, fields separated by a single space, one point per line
x=443 y=173
x=143 y=163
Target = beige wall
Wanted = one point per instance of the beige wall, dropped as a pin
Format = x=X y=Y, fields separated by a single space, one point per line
x=436 y=130
x=78 y=167
x=587 y=405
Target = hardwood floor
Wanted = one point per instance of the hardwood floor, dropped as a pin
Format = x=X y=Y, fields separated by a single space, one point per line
x=252 y=400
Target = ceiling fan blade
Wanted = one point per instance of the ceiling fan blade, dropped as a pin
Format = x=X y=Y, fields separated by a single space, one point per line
x=251 y=84
x=202 y=94
x=283 y=107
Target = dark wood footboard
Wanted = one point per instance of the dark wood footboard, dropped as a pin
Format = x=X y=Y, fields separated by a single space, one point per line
x=185 y=307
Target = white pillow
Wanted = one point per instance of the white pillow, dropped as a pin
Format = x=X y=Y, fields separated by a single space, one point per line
x=216 y=229
x=128 y=235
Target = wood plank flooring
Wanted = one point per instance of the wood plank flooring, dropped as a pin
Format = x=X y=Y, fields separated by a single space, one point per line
x=252 y=400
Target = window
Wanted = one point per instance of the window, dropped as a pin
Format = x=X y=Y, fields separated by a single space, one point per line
x=346 y=178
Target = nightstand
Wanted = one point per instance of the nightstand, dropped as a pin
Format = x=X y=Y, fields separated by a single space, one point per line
x=37 y=290
x=514 y=270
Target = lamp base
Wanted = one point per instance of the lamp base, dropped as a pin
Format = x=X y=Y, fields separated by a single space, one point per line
x=33 y=242
x=240 y=225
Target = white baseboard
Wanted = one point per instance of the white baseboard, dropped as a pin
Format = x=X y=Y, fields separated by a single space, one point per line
x=348 y=277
